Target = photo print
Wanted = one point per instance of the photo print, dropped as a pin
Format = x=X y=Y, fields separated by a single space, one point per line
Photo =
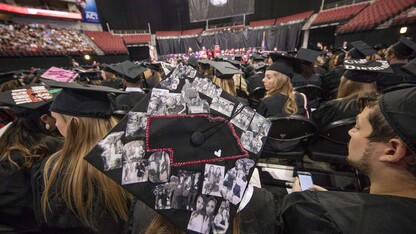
x=251 y=141
x=205 y=86
x=194 y=103
x=174 y=104
x=235 y=181
x=135 y=171
x=243 y=119
x=222 y=219
x=184 y=194
x=202 y=217
x=133 y=151
x=170 y=83
x=260 y=126
x=157 y=102
x=222 y=105
x=244 y=164
x=112 y=150
x=190 y=72
x=163 y=195
x=159 y=167
x=213 y=177
x=136 y=125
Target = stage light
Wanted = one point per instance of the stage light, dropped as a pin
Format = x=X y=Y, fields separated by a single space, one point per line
x=87 y=57
x=403 y=30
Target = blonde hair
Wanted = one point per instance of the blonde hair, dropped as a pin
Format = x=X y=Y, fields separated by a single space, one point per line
x=354 y=90
x=9 y=85
x=283 y=85
x=240 y=83
x=227 y=85
x=80 y=184
x=109 y=76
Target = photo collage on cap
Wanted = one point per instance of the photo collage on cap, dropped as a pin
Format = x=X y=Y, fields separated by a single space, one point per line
x=187 y=150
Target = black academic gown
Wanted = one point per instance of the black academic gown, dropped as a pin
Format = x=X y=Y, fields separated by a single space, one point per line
x=16 y=201
x=345 y=212
x=273 y=106
x=333 y=110
x=398 y=76
x=127 y=101
x=300 y=80
x=331 y=80
x=60 y=219
x=116 y=84
x=255 y=81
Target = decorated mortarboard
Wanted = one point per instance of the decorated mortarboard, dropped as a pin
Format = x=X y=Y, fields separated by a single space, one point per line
x=285 y=64
x=59 y=74
x=404 y=47
x=7 y=76
x=364 y=71
x=187 y=152
x=410 y=67
x=398 y=109
x=29 y=98
x=307 y=55
x=128 y=70
x=89 y=76
x=225 y=70
x=360 y=50
x=82 y=100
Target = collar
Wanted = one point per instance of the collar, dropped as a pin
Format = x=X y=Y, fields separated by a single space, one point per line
x=134 y=89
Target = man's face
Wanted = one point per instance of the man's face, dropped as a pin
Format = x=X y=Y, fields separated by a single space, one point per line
x=361 y=152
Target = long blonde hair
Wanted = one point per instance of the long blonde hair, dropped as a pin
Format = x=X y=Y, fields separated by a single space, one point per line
x=227 y=85
x=283 y=85
x=79 y=183
x=354 y=90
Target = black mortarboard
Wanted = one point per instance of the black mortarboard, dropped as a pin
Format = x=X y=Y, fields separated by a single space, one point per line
x=285 y=64
x=365 y=71
x=404 y=47
x=192 y=61
x=238 y=57
x=257 y=57
x=153 y=66
x=89 y=75
x=82 y=100
x=360 y=50
x=167 y=155
x=128 y=70
x=338 y=51
x=307 y=55
x=225 y=70
x=380 y=46
x=7 y=76
x=398 y=108
x=410 y=67
x=29 y=98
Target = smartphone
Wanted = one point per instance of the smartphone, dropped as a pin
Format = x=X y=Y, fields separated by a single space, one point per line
x=305 y=180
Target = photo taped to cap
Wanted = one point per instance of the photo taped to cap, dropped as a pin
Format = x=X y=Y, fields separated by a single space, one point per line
x=135 y=171
x=134 y=150
x=202 y=217
x=243 y=119
x=213 y=176
x=159 y=167
x=174 y=104
x=112 y=150
x=260 y=126
x=222 y=106
x=221 y=220
x=136 y=125
x=184 y=194
x=196 y=104
x=157 y=102
x=251 y=142
x=205 y=86
x=234 y=184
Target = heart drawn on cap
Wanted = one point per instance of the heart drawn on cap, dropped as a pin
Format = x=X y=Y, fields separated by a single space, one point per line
x=218 y=153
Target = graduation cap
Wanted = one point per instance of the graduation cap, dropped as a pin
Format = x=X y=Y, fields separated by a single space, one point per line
x=410 y=67
x=82 y=100
x=338 y=51
x=360 y=50
x=89 y=75
x=192 y=61
x=398 y=109
x=153 y=66
x=380 y=46
x=404 y=47
x=285 y=64
x=7 y=76
x=308 y=56
x=257 y=57
x=29 y=98
x=176 y=151
x=128 y=70
x=365 y=71
x=225 y=70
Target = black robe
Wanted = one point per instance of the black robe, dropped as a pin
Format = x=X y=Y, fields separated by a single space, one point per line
x=116 y=84
x=300 y=80
x=345 y=212
x=16 y=201
x=127 y=101
x=398 y=76
x=333 y=110
x=331 y=80
x=60 y=219
x=255 y=81
x=273 y=106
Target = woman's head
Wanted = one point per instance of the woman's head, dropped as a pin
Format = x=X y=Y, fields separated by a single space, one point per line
x=275 y=82
x=200 y=204
x=349 y=88
x=210 y=207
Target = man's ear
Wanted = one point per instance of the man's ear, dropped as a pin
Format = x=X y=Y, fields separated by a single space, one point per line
x=395 y=150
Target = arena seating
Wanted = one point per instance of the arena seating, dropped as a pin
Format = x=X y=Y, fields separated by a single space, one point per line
x=293 y=18
x=262 y=23
x=408 y=17
x=375 y=14
x=108 y=43
x=137 y=39
x=338 y=14
x=189 y=32
x=168 y=33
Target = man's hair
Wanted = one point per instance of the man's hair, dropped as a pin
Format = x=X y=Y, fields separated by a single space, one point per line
x=382 y=131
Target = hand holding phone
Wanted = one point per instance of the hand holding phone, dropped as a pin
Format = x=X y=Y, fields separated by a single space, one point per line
x=305 y=180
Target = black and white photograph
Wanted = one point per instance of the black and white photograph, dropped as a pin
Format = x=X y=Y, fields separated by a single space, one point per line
x=188 y=91
x=180 y=71
x=251 y=141
x=157 y=102
x=184 y=194
x=222 y=218
x=213 y=177
x=242 y=120
x=244 y=164
x=222 y=105
x=234 y=184
x=159 y=167
x=190 y=72
x=136 y=125
x=163 y=195
x=112 y=151
x=196 y=104
x=260 y=125
x=203 y=216
x=205 y=86
x=170 y=83
x=174 y=104
x=133 y=151
x=134 y=171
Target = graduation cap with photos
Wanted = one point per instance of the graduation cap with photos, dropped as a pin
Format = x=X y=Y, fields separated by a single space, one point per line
x=364 y=71
x=185 y=144
x=360 y=50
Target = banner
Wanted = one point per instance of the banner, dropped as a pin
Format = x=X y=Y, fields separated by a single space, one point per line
x=200 y=10
x=89 y=13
